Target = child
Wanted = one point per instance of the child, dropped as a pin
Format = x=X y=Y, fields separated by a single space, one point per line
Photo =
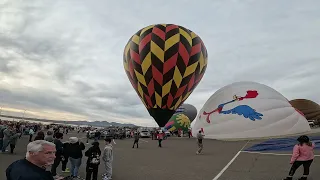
x=302 y=155
x=93 y=154
x=107 y=157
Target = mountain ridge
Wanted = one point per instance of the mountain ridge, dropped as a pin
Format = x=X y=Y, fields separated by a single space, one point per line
x=79 y=123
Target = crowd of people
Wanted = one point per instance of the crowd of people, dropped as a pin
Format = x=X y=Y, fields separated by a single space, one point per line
x=46 y=150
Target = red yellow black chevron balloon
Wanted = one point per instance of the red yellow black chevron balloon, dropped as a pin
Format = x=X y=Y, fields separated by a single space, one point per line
x=164 y=63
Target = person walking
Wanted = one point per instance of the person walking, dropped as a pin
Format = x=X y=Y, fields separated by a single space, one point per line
x=160 y=136
x=302 y=155
x=8 y=133
x=136 y=139
x=93 y=154
x=200 y=142
x=13 y=140
x=2 y=128
x=31 y=132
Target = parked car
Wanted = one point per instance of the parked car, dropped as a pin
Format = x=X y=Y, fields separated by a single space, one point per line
x=145 y=134
x=312 y=123
x=168 y=134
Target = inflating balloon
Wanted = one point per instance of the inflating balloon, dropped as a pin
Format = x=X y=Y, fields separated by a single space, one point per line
x=178 y=122
x=164 y=63
x=189 y=110
x=248 y=110
x=308 y=108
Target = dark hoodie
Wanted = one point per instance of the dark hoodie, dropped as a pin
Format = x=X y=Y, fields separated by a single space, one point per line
x=93 y=152
x=74 y=150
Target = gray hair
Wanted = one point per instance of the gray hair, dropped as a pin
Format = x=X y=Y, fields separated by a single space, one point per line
x=37 y=146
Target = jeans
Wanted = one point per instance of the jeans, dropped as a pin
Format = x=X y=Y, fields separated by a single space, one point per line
x=30 y=138
x=5 y=145
x=75 y=165
x=159 y=142
x=64 y=163
x=200 y=147
x=12 y=147
x=1 y=143
x=136 y=142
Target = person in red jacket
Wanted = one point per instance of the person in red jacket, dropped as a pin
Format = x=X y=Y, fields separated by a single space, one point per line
x=160 y=136
x=302 y=155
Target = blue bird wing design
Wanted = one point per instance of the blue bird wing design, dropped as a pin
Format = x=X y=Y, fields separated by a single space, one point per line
x=245 y=111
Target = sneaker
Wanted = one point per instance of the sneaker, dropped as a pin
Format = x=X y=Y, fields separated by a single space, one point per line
x=67 y=170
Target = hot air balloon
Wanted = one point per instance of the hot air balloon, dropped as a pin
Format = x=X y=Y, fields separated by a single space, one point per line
x=189 y=110
x=164 y=63
x=178 y=122
x=248 y=110
x=310 y=109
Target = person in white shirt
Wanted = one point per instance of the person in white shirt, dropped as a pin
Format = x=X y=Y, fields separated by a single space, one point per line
x=31 y=132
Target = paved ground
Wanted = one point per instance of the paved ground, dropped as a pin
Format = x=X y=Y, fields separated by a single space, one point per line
x=177 y=160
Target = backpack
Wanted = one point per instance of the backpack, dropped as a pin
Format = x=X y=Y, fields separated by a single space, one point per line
x=95 y=158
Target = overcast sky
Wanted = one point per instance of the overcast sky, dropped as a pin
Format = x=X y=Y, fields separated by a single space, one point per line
x=63 y=59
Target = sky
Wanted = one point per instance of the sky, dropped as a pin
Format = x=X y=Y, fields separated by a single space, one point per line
x=63 y=59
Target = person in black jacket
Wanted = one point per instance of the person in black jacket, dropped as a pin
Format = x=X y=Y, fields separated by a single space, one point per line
x=39 y=136
x=93 y=154
x=59 y=153
x=65 y=158
x=74 y=150
x=40 y=155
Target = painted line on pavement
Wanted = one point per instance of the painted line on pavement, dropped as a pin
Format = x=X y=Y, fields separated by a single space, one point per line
x=230 y=162
x=275 y=154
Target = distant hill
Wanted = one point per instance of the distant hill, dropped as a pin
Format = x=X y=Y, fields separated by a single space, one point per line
x=79 y=123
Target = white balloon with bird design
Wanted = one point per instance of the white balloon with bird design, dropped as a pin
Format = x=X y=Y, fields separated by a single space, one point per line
x=248 y=110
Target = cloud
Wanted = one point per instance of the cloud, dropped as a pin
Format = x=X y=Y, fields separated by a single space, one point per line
x=65 y=57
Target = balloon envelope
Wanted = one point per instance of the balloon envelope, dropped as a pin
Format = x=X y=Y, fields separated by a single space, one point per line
x=178 y=122
x=189 y=110
x=164 y=63
x=310 y=109
x=248 y=110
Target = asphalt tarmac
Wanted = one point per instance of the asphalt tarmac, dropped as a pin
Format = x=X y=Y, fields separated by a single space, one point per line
x=177 y=160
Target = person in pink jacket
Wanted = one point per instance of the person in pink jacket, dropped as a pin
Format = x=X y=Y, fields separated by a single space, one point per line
x=302 y=155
